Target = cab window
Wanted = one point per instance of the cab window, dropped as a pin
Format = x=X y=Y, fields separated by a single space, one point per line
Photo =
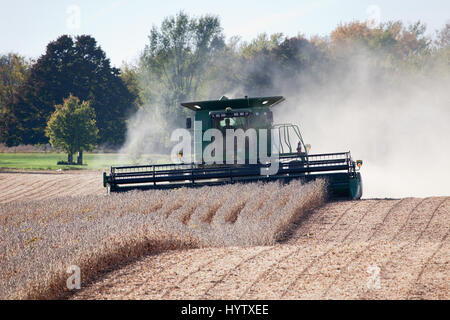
x=231 y=123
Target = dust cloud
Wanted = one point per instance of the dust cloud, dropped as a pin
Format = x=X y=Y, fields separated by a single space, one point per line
x=398 y=125
x=146 y=133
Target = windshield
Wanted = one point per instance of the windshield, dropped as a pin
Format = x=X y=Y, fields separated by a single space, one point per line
x=233 y=123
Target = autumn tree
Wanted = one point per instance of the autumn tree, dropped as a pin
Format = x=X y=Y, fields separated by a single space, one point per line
x=391 y=38
x=443 y=37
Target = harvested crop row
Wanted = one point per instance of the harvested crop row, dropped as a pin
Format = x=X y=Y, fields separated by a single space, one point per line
x=41 y=239
x=38 y=186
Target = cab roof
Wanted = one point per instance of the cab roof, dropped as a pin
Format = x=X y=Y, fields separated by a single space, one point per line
x=224 y=102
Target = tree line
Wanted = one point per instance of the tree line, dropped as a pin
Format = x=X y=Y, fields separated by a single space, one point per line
x=31 y=90
x=189 y=58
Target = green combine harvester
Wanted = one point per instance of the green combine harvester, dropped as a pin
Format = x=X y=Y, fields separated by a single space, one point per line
x=284 y=144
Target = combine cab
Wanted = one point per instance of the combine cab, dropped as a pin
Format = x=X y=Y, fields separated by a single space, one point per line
x=246 y=161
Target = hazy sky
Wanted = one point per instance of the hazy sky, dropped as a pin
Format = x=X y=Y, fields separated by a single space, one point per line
x=121 y=27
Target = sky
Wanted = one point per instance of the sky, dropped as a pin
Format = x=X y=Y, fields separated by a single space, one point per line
x=121 y=27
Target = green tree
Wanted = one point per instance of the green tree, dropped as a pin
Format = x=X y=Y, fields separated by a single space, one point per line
x=174 y=62
x=13 y=72
x=261 y=43
x=72 y=127
x=78 y=66
x=129 y=75
x=224 y=73
x=272 y=64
